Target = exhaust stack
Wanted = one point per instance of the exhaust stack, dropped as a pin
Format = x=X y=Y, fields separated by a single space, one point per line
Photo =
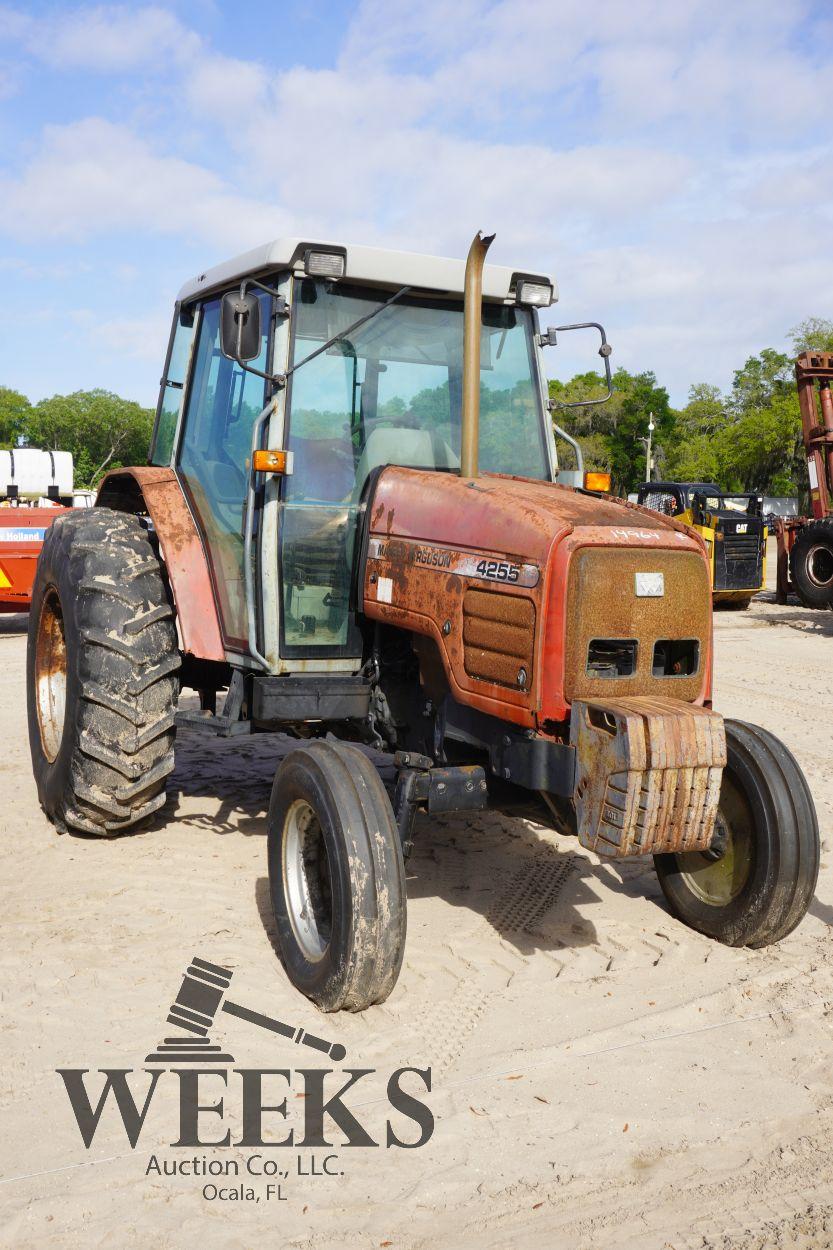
x=472 y=321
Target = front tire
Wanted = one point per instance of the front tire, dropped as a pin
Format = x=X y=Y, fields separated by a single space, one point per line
x=756 y=882
x=337 y=877
x=102 y=682
x=811 y=564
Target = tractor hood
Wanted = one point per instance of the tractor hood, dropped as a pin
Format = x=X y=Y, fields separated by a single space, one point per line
x=536 y=594
x=514 y=516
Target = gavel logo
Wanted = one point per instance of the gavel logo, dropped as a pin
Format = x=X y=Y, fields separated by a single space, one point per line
x=200 y=997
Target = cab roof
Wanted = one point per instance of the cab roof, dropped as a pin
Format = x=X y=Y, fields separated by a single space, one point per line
x=376 y=265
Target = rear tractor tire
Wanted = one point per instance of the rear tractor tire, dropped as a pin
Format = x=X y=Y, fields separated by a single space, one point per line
x=755 y=883
x=811 y=564
x=336 y=876
x=102 y=679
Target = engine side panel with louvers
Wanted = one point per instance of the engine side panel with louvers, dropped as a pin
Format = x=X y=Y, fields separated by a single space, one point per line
x=498 y=637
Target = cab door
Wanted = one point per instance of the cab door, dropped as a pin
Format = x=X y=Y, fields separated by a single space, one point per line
x=222 y=403
x=319 y=510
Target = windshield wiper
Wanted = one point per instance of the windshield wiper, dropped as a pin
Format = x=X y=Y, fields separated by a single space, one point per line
x=280 y=378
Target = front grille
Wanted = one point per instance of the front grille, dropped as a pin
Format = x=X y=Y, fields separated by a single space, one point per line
x=738 y=562
x=740 y=546
x=498 y=638
x=602 y=604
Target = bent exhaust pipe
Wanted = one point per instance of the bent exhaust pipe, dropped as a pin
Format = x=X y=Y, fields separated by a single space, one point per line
x=472 y=322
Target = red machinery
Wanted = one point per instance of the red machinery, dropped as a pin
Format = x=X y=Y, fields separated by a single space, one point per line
x=805 y=544
x=22 y=532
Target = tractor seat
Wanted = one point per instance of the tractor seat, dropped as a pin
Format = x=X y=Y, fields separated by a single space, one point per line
x=414 y=449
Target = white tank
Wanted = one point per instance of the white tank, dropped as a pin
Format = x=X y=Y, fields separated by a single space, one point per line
x=33 y=471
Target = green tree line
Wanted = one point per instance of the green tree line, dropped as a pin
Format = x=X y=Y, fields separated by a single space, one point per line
x=102 y=430
x=748 y=439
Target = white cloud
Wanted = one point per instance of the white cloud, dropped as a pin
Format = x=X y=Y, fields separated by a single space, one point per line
x=93 y=177
x=664 y=160
x=226 y=89
x=141 y=338
x=107 y=38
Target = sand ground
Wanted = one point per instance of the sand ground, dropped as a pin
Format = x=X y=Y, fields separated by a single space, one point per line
x=602 y=1077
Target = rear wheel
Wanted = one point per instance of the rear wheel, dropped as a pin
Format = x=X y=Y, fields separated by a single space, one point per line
x=336 y=876
x=101 y=674
x=756 y=881
x=811 y=564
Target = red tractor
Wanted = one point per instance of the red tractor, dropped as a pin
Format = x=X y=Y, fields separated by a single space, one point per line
x=805 y=544
x=351 y=525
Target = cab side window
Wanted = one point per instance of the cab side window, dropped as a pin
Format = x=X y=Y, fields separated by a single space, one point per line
x=173 y=387
x=223 y=402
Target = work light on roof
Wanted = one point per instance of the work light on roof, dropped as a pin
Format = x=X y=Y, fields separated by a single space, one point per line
x=536 y=294
x=324 y=264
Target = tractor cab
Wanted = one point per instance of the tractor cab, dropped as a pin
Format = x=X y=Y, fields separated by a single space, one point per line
x=340 y=361
x=732 y=527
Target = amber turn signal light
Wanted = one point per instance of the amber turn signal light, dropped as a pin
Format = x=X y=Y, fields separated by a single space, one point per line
x=597 y=481
x=272 y=462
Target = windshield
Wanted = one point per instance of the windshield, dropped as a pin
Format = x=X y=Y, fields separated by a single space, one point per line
x=391 y=392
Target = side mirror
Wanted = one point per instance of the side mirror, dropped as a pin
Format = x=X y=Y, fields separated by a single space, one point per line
x=550 y=339
x=240 y=326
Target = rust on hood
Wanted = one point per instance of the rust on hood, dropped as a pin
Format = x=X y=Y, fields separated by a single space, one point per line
x=483 y=569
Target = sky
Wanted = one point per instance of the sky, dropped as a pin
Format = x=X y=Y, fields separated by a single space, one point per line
x=668 y=162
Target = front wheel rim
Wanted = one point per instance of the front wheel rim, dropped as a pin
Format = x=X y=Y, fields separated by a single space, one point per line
x=820 y=565
x=307 y=882
x=718 y=882
x=51 y=675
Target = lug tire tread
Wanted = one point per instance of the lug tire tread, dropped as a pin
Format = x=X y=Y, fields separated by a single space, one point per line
x=810 y=594
x=117 y=746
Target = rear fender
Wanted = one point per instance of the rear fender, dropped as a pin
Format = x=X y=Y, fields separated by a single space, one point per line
x=157 y=491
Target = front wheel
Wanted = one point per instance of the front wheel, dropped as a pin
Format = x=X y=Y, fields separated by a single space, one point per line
x=755 y=883
x=337 y=877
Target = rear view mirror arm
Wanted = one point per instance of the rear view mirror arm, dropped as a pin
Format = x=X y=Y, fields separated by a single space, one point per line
x=549 y=339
